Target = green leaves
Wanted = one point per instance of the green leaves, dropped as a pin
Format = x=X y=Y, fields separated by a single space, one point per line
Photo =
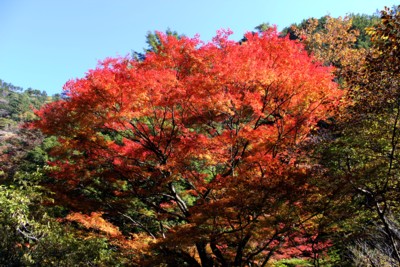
x=364 y=152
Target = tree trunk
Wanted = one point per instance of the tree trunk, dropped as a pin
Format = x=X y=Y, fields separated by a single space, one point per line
x=206 y=260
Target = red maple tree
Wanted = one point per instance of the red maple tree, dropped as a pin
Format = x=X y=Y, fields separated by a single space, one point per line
x=204 y=136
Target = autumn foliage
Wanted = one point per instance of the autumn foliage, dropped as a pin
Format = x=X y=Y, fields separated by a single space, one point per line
x=204 y=136
x=333 y=43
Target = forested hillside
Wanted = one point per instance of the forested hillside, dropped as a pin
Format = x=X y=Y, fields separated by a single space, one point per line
x=279 y=149
x=17 y=107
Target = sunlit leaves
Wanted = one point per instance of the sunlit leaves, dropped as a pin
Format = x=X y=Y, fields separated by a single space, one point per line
x=332 y=41
x=203 y=135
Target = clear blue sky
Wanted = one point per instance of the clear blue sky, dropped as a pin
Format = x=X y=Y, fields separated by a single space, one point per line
x=44 y=43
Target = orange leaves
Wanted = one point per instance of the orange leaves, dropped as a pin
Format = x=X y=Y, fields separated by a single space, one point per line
x=94 y=221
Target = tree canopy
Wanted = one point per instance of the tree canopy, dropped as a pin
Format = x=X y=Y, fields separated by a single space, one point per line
x=204 y=137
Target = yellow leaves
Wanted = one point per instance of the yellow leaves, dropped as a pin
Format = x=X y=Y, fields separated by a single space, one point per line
x=370 y=30
x=333 y=42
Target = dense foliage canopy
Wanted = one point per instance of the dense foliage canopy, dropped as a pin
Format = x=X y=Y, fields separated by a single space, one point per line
x=204 y=136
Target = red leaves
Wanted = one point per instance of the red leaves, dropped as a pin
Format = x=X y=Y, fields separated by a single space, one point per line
x=217 y=120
